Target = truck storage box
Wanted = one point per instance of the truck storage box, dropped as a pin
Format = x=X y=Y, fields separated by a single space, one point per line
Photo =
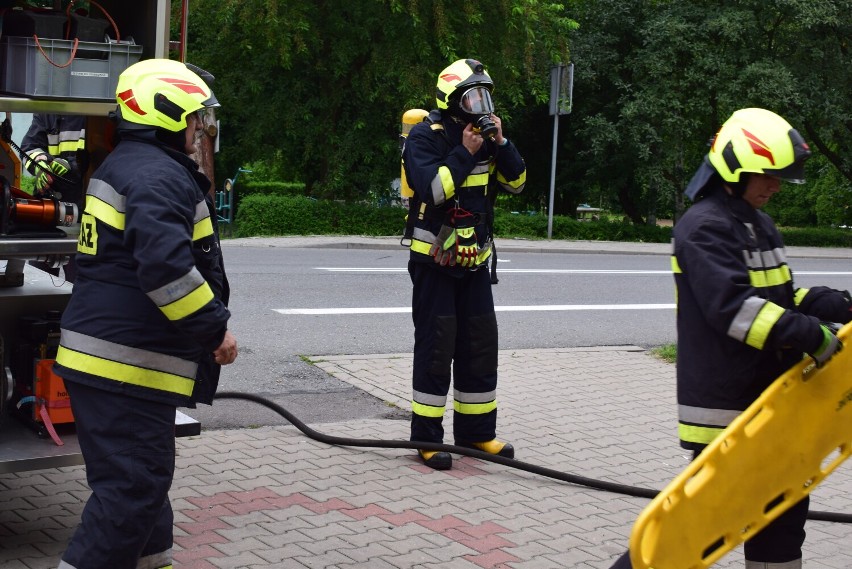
x=42 y=23
x=92 y=74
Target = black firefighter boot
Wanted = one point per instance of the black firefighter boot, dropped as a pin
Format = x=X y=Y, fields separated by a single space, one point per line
x=439 y=460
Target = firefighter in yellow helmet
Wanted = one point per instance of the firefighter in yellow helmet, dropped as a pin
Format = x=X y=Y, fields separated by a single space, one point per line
x=741 y=321
x=146 y=328
x=455 y=161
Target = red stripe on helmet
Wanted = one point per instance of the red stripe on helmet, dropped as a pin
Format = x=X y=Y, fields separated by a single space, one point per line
x=759 y=147
x=450 y=76
x=129 y=99
x=187 y=87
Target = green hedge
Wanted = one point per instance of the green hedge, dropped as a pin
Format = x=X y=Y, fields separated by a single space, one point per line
x=281 y=215
x=816 y=237
x=535 y=226
x=271 y=189
x=284 y=215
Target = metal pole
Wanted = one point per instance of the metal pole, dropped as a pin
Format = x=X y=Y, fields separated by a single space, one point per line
x=552 y=176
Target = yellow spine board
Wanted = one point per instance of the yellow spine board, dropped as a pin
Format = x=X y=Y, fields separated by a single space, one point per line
x=770 y=457
x=409 y=118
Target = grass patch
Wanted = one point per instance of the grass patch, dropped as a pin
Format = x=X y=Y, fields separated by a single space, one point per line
x=667 y=353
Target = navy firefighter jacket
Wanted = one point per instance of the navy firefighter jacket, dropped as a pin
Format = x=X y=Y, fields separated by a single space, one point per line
x=148 y=306
x=740 y=320
x=443 y=175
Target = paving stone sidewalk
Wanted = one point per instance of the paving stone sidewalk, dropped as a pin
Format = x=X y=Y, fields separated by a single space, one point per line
x=271 y=497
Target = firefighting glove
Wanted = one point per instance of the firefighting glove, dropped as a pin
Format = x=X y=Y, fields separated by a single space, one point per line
x=444 y=247
x=47 y=167
x=830 y=345
x=467 y=248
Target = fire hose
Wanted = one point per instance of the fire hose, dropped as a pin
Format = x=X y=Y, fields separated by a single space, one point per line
x=474 y=453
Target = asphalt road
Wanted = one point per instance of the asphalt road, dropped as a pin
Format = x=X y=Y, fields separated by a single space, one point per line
x=292 y=304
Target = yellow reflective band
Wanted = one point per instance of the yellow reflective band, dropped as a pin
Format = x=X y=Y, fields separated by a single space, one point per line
x=514 y=184
x=700 y=435
x=800 y=295
x=675 y=266
x=772 y=277
x=87 y=241
x=759 y=330
x=474 y=408
x=475 y=180
x=447 y=184
x=124 y=373
x=67 y=146
x=189 y=304
x=204 y=228
x=420 y=246
x=426 y=410
x=104 y=212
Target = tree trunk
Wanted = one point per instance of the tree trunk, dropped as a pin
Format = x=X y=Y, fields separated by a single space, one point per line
x=627 y=203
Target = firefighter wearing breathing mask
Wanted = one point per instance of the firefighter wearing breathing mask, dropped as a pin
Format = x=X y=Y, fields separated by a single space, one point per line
x=455 y=160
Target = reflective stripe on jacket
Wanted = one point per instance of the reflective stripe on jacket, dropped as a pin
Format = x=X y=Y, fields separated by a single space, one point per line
x=740 y=320
x=60 y=136
x=147 y=307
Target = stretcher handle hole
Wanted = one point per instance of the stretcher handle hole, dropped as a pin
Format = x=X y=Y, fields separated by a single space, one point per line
x=713 y=548
x=774 y=503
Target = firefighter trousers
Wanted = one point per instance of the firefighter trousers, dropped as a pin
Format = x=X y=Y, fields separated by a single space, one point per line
x=128 y=445
x=455 y=331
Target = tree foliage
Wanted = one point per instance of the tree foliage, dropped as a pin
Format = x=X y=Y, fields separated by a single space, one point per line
x=657 y=79
x=322 y=85
x=317 y=88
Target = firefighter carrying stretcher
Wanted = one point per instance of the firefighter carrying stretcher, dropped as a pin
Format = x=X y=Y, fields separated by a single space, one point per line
x=741 y=322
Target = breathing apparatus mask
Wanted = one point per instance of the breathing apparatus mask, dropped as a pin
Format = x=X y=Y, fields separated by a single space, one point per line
x=475 y=106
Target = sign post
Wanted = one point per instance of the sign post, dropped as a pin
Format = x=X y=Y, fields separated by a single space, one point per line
x=561 y=100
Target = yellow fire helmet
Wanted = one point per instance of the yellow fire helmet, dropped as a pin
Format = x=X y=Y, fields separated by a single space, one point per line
x=162 y=92
x=760 y=142
x=460 y=78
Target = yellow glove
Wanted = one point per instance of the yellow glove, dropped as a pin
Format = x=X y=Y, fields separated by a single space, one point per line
x=467 y=248
x=46 y=167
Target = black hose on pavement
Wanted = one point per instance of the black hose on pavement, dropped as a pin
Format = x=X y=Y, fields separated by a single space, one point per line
x=510 y=462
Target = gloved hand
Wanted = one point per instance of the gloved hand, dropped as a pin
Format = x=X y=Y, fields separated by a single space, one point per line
x=467 y=247
x=830 y=345
x=444 y=247
x=44 y=180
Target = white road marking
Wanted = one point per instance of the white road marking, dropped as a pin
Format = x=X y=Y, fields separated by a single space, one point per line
x=559 y=271
x=531 y=308
x=502 y=270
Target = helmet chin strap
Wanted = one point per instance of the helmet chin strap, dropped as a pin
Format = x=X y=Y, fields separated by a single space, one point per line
x=739 y=188
x=174 y=140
